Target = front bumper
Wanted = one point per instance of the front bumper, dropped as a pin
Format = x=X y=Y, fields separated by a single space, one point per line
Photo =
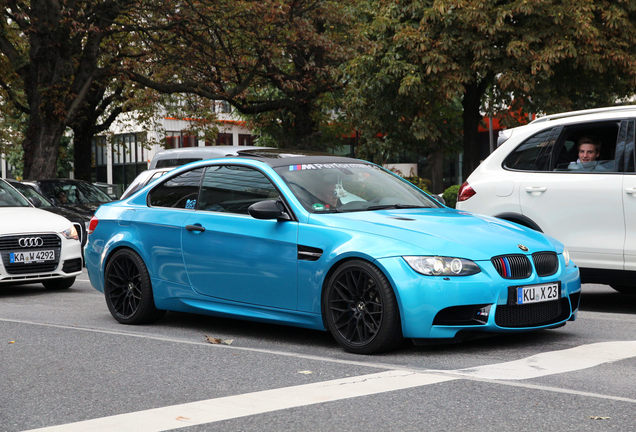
x=435 y=307
x=68 y=261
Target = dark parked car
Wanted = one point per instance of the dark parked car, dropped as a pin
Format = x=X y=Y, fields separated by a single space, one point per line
x=40 y=201
x=77 y=195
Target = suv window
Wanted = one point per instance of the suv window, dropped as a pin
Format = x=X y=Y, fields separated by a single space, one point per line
x=533 y=154
x=232 y=189
x=178 y=192
x=557 y=149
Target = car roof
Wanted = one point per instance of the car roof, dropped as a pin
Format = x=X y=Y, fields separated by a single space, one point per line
x=284 y=157
x=207 y=152
x=599 y=111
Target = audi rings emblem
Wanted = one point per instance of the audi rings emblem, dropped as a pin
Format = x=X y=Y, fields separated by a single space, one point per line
x=27 y=242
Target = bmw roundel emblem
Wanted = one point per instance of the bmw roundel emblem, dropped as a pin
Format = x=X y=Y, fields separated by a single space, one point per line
x=522 y=247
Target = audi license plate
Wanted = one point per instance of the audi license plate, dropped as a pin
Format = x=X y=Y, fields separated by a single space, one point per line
x=538 y=293
x=31 y=256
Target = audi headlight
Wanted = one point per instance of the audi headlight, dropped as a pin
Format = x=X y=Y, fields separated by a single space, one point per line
x=566 y=257
x=70 y=233
x=442 y=266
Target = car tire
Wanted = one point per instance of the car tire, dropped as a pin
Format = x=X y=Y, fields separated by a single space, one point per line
x=625 y=289
x=360 y=309
x=128 y=290
x=58 y=284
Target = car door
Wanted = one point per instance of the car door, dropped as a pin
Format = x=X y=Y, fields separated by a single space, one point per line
x=629 y=194
x=231 y=256
x=582 y=209
x=158 y=228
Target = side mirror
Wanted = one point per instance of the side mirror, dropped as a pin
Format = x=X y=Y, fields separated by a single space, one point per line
x=268 y=209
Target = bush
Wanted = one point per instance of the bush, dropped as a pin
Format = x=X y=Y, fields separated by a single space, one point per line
x=420 y=182
x=450 y=195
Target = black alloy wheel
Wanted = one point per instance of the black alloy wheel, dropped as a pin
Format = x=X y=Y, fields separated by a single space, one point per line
x=360 y=309
x=128 y=290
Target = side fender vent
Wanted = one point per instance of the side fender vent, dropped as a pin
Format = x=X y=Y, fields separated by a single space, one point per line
x=308 y=253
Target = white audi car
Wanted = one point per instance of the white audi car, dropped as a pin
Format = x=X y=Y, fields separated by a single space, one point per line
x=36 y=245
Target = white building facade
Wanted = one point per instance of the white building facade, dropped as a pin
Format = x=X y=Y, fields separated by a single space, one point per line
x=127 y=149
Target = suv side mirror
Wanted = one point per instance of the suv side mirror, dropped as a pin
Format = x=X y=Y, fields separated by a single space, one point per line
x=268 y=209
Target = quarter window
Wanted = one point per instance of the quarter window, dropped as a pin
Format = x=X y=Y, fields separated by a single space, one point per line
x=232 y=189
x=533 y=154
x=178 y=192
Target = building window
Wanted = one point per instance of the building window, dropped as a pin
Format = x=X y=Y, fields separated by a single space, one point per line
x=129 y=157
x=178 y=139
x=224 y=139
x=99 y=159
x=225 y=107
x=245 y=140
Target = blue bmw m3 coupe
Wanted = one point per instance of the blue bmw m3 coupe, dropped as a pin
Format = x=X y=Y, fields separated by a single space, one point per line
x=328 y=243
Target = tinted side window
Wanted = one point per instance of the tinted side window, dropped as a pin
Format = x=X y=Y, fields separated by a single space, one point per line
x=232 y=189
x=178 y=192
x=534 y=154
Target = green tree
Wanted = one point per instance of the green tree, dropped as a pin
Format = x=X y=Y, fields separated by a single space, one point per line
x=51 y=51
x=430 y=54
x=279 y=57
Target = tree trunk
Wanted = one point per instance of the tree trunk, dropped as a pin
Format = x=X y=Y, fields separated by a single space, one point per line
x=41 y=147
x=436 y=161
x=304 y=128
x=471 y=118
x=82 y=138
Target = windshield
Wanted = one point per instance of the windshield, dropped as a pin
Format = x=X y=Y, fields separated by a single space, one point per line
x=75 y=192
x=341 y=187
x=9 y=197
x=31 y=194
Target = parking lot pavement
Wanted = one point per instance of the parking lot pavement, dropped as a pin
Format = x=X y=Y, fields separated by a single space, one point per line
x=65 y=361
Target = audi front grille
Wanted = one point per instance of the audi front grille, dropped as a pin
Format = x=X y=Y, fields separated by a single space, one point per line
x=19 y=243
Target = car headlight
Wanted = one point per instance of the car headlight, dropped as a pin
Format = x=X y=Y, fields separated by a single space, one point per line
x=70 y=233
x=566 y=257
x=442 y=266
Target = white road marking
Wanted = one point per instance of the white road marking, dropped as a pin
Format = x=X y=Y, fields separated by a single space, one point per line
x=555 y=362
x=225 y=408
x=213 y=410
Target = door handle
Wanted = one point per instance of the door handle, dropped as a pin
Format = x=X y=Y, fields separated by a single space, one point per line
x=631 y=191
x=532 y=189
x=195 y=227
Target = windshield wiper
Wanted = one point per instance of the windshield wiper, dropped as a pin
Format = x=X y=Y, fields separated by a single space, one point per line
x=394 y=206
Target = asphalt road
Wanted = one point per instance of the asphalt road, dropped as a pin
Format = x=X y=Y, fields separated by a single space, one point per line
x=63 y=360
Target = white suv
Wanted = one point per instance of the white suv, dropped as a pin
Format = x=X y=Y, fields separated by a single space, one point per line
x=535 y=179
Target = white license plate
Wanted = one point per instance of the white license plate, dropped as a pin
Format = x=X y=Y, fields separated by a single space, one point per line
x=31 y=256
x=538 y=293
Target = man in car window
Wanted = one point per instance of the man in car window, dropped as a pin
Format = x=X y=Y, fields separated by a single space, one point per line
x=61 y=197
x=588 y=152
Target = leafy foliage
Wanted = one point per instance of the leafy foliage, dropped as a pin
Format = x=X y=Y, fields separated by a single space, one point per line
x=427 y=55
x=450 y=195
